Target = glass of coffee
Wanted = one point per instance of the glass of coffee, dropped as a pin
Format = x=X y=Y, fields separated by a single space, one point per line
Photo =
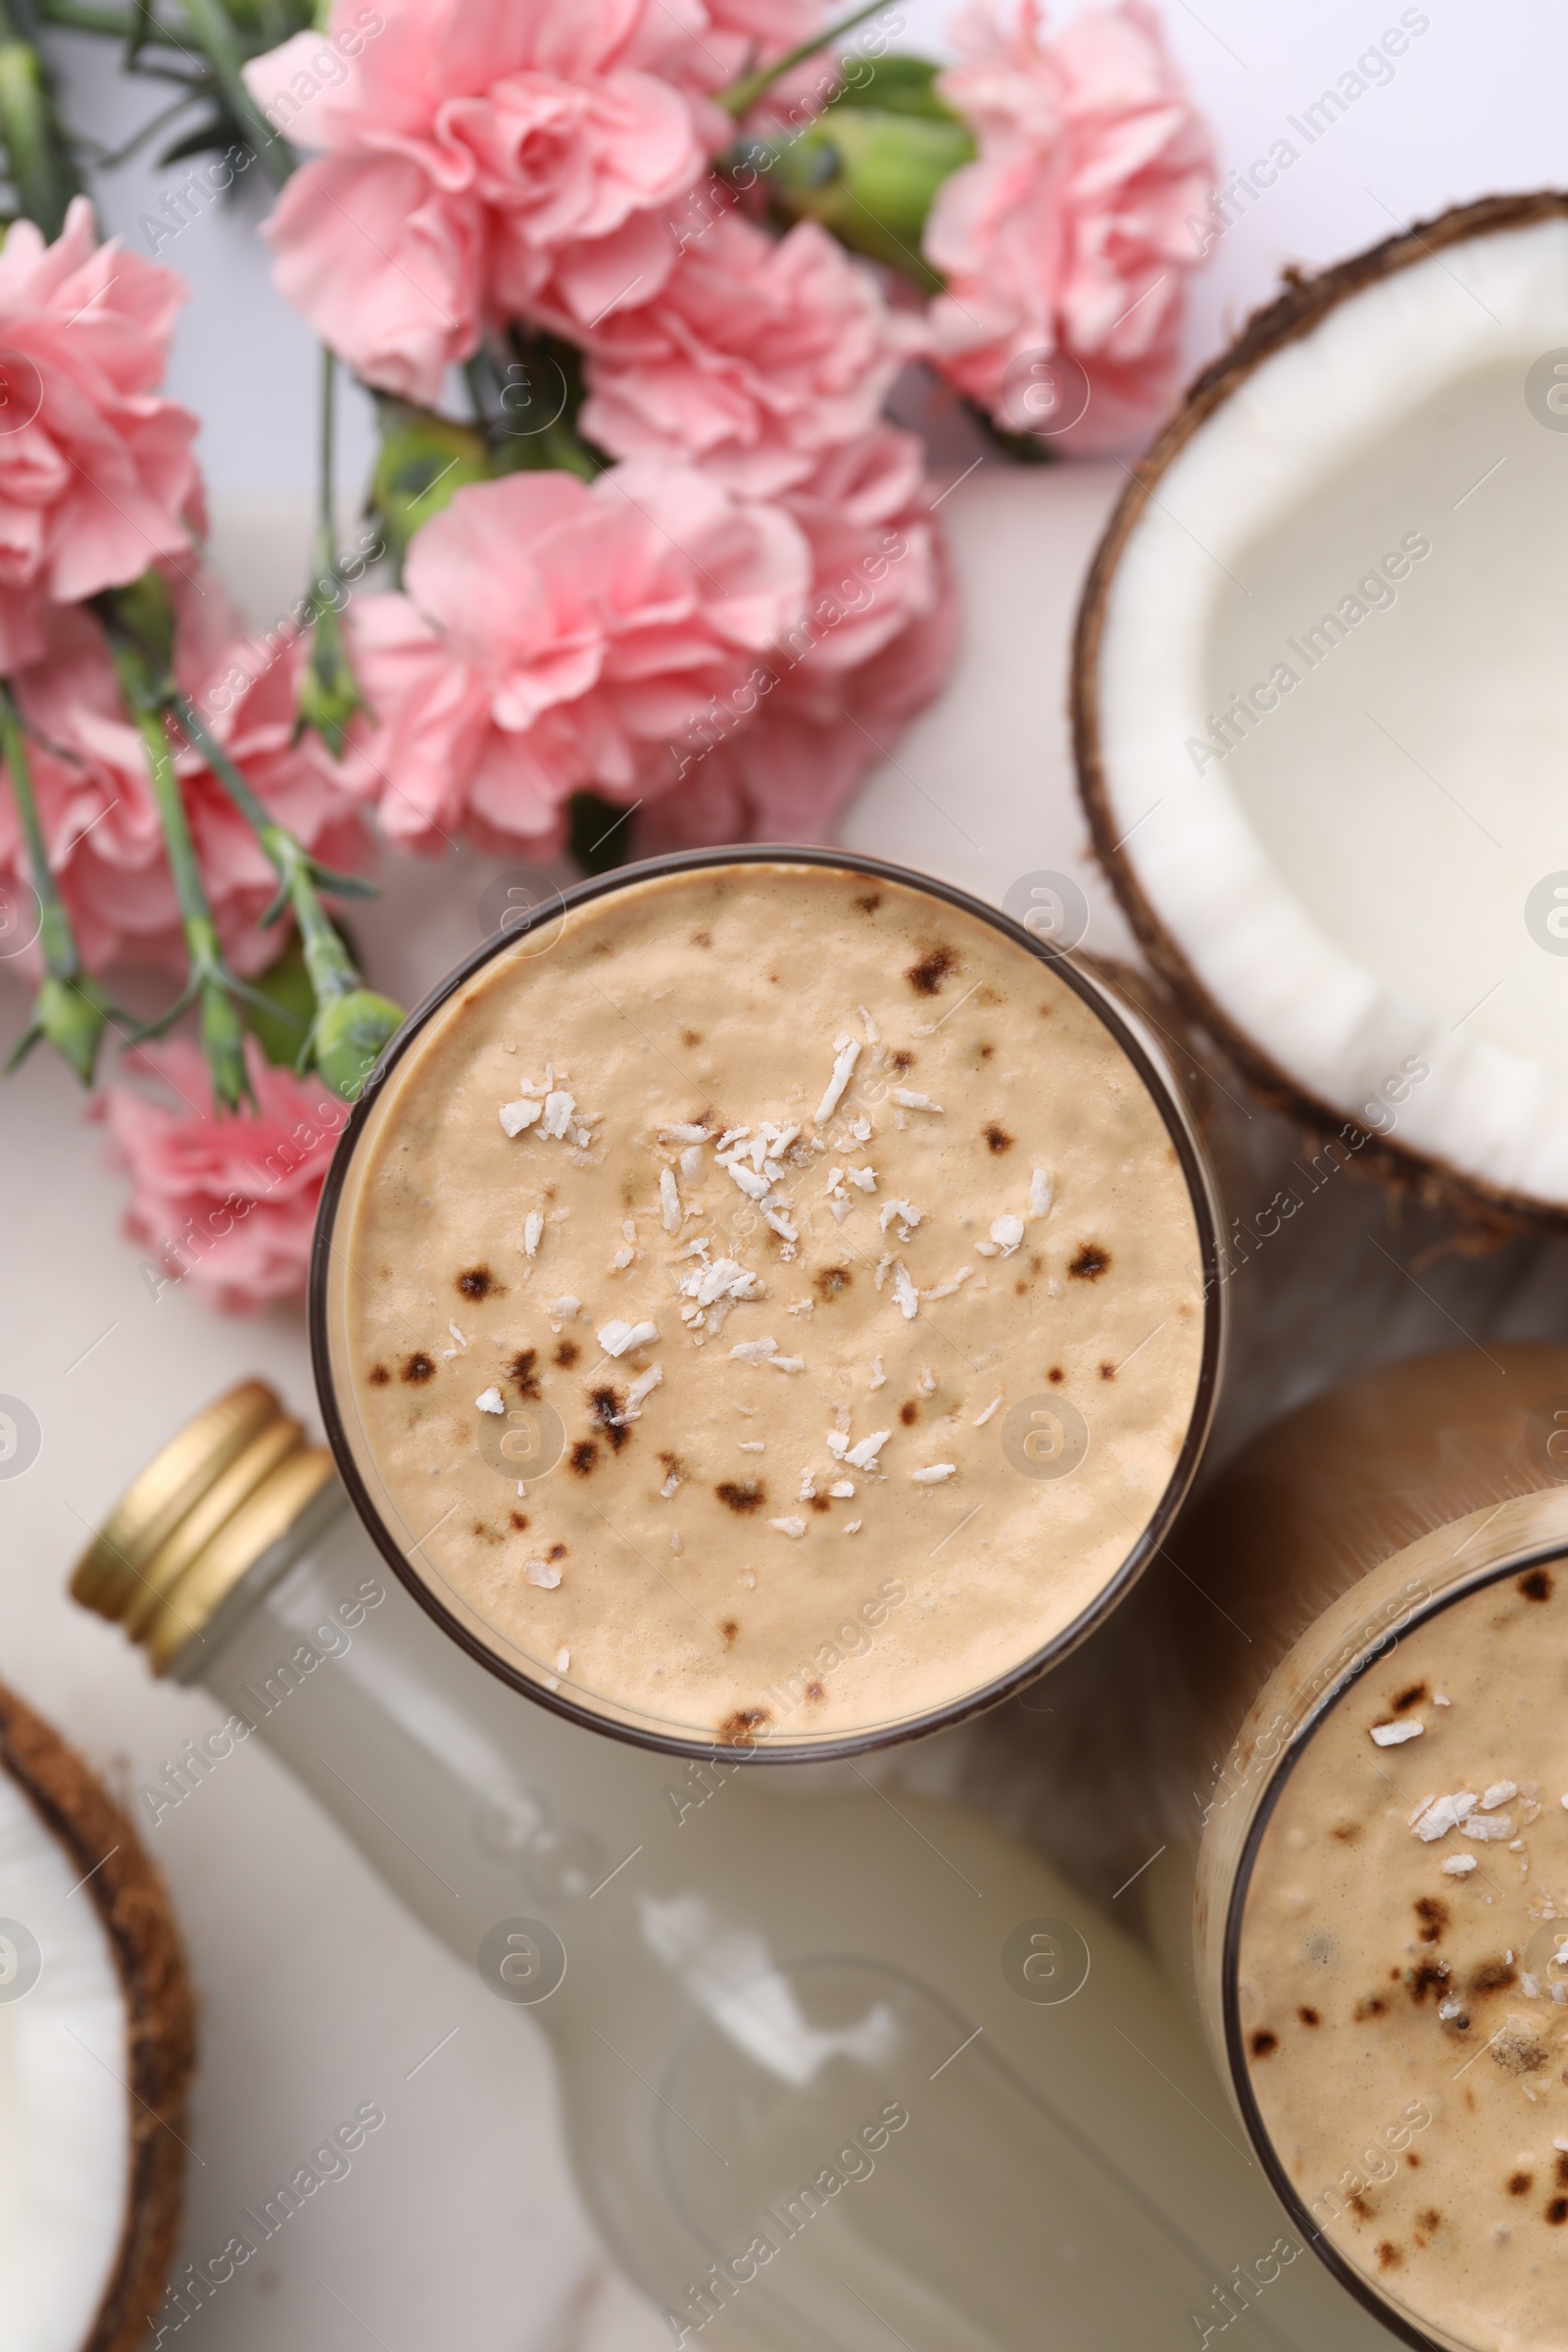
x=1381 y=1905
x=769 y=1299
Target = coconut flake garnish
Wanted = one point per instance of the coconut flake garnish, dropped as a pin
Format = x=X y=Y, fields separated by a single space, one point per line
x=981 y=1419
x=686 y=1132
x=906 y=1101
x=755 y=1352
x=1440 y=1814
x=789 y=1527
x=691 y=1164
x=1007 y=1233
x=865 y=1178
x=863 y=1456
x=935 y=1474
x=847 y=1051
x=781 y=1225
x=903 y=1209
x=838 y=1445
x=842 y=1489
x=617 y=1337
x=1499 y=1794
x=753 y=1186
x=643 y=1386
x=515 y=1117
x=946 y=1290
x=669 y=1200
x=1459 y=1866
x=724 y=1279
x=566 y=1307
x=541 y=1573
x=852 y=1527
x=563 y=1659
x=1041 y=1192
x=787 y=1364
x=1491 y=1828
x=559 y=1107
x=879 y=1380
x=751 y=1445
x=835 y=1181
x=533 y=1233
x=905 y=1295
x=1391 y=1735
x=490 y=1401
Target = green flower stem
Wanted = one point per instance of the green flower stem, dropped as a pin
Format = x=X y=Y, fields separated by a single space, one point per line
x=117 y=24
x=329 y=692
x=60 y=955
x=70 y=1009
x=213 y=30
x=352 y=1022
x=37 y=157
x=743 y=95
x=211 y=985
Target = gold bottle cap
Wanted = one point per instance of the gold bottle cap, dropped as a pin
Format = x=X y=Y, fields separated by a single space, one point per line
x=198 y=1519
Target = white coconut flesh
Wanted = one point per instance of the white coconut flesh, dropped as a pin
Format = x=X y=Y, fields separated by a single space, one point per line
x=65 y=2108
x=1347 y=875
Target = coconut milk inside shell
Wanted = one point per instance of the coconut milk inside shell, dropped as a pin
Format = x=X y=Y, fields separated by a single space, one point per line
x=767 y=1306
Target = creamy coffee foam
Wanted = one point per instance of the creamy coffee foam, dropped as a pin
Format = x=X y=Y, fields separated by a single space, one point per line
x=838 y=1251
x=1402 y=2007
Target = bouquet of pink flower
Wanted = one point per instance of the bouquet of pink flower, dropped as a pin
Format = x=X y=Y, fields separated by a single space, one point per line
x=633 y=287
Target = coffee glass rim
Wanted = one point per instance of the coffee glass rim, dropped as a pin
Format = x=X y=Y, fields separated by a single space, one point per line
x=1390 y=2315
x=1201 y=1190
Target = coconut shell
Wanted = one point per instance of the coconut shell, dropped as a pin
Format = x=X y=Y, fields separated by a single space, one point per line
x=138 y=1920
x=1486 y=1214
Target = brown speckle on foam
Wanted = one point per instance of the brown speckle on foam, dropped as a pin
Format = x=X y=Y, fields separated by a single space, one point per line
x=1558 y=2211
x=583 y=1455
x=476 y=1281
x=908 y=1412
x=1535 y=1585
x=1434 y=1918
x=379 y=1376
x=521 y=1370
x=519 y=1520
x=1309 y=2017
x=998 y=1138
x=1089 y=1263
x=740 y=1729
x=566 y=1354
x=926 y=976
x=832 y=1281
x=1406 y=1700
x=607 y=1409
x=418 y=1368
x=1389 y=2255
x=730 y=1629
x=1263 y=2042
x=749 y=1495
x=1492 y=1975
x=1519 y=2184
x=1518 y=2053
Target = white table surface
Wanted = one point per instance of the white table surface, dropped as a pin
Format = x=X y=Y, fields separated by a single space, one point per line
x=459 y=2221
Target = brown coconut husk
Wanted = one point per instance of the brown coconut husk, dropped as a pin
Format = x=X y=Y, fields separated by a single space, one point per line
x=133 y=1905
x=1484 y=1214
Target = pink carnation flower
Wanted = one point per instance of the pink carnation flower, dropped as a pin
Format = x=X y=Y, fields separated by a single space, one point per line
x=226 y=1203
x=551 y=636
x=483 y=159
x=871 y=649
x=96 y=472
x=1067 y=236
x=703 y=45
x=760 y=355
x=95 y=801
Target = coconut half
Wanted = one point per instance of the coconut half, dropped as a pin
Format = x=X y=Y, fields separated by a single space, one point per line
x=96 y=2047
x=1321 y=703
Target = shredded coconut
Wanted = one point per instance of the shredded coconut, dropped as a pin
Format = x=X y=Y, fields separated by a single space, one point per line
x=863 y=1456
x=566 y=1307
x=1007 y=1233
x=686 y=1132
x=617 y=1337
x=787 y=1364
x=789 y=1527
x=691 y=1163
x=1440 y=1814
x=533 y=1233
x=669 y=1200
x=861 y=1131
x=865 y=1178
x=563 y=1659
x=1459 y=1866
x=852 y=1527
x=1499 y=1794
x=879 y=1380
x=755 y=1352
x=981 y=1419
x=490 y=1401
x=542 y=1574
x=904 y=1293
x=1393 y=1735
x=873 y=1036
x=935 y=1474
x=904 y=1211
x=515 y=1117
x=643 y=1386
x=1493 y=1827
x=906 y=1101
x=1041 y=1192
x=846 y=1053
x=842 y=1489
x=559 y=1107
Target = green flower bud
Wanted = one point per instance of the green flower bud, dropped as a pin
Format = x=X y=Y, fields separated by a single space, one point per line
x=69 y=1016
x=222 y=1034
x=869 y=175
x=423 y=463
x=351 y=1031
x=329 y=692
x=285 y=984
